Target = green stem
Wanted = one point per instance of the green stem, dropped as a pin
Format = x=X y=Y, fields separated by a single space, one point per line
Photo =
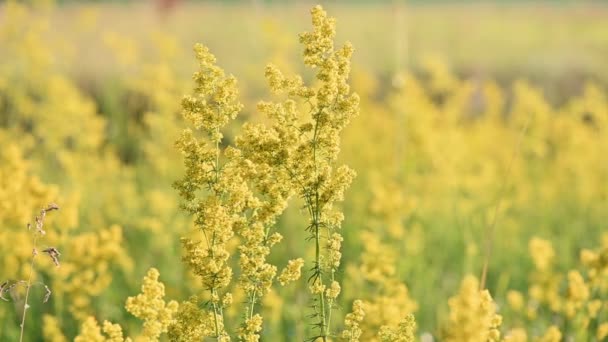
x=217 y=159
x=216 y=312
x=215 y=315
x=324 y=328
x=252 y=305
x=329 y=303
x=28 y=286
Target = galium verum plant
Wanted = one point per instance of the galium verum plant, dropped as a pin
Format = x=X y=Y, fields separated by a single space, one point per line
x=220 y=208
x=38 y=232
x=243 y=189
x=304 y=141
x=227 y=194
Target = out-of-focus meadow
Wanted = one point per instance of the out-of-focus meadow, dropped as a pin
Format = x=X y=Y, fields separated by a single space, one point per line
x=483 y=127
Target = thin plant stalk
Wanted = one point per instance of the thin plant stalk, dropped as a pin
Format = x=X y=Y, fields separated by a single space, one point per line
x=28 y=286
x=53 y=254
x=490 y=231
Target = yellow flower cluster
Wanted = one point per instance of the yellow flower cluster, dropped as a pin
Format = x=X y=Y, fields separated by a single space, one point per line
x=352 y=331
x=292 y=271
x=251 y=329
x=602 y=331
x=91 y=332
x=403 y=333
x=473 y=316
x=114 y=332
x=20 y=193
x=51 y=329
x=542 y=253
x=578 y=293
x=87 y=273
x=551 y=335
x=257 y=237
x=516 y=335
x=193 y=324
x=151 y=307
x=545 y=282
x=575 y=299
x=387 y=299
x=596 y=263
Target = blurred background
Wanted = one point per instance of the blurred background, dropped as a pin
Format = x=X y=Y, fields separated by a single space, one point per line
x=472 y=112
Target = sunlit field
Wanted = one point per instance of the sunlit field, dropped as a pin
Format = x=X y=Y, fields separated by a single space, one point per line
x=245 y=171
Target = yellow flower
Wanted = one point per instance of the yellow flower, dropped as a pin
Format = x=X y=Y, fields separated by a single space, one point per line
x=602 y=331
x=578 y=293
x=594 y=307
x=114 y=332
x=515 y=300
x=191 y=324
x=352 y=331
x=403 y=333
x=333 y=291
x=249 y=332
x=588 y=257
x=551 y=335
x=90 y=332
x=51 y=329
x=516 y=335
x=292 y=272
x=542 y=253
x=151 y=307
x=473 y=315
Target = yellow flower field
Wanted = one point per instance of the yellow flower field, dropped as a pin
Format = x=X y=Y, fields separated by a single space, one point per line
x=289 y=172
